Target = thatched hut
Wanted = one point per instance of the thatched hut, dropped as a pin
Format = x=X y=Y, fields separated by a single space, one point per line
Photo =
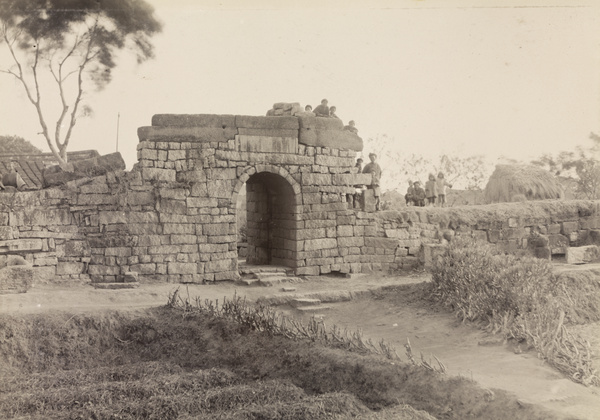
x=511 y=183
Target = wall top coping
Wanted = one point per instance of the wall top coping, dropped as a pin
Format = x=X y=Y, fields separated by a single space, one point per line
x=311 y=130
x=536 y=212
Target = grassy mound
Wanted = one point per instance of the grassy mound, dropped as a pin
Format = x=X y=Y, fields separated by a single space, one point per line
x=181 y=364
x=521 y=298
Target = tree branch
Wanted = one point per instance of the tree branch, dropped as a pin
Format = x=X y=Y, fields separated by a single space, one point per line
x=59 y=80
x=87 y=58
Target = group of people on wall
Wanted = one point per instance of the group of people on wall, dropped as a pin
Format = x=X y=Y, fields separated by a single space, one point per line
x=434 y=193
x=325 y=111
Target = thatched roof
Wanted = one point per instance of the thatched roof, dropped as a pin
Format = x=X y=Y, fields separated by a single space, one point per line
x=521 y=182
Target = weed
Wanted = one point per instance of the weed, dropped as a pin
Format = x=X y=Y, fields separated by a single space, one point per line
x=521 y=298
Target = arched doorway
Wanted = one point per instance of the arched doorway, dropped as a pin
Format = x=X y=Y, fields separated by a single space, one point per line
x=271 y=213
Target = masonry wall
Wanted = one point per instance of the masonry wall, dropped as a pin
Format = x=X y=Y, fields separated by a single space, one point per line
x=173 y=218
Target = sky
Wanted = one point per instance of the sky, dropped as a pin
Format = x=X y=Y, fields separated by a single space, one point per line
x=498 y=78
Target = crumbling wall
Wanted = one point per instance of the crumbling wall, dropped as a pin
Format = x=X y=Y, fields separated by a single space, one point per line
x=173 y=218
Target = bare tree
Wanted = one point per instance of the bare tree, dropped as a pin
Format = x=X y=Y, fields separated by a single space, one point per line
x=75 y=42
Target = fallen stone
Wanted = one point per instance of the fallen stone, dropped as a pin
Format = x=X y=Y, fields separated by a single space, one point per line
x=87 y=168
x=583 y=254
x=301 y=302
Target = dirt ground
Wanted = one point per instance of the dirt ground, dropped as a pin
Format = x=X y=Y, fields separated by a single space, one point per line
x=382 y=307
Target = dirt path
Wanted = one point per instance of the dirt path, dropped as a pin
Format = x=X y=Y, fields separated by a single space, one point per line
x=465 y=350
x=392 y=314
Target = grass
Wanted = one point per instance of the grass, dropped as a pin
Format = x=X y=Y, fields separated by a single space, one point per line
x=179 y=363
x=521 y=298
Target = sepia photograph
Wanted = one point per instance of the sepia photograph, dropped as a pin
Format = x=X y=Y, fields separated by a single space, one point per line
x=264 y=210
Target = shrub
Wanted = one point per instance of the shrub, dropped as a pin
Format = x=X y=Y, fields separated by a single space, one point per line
x=521 y=298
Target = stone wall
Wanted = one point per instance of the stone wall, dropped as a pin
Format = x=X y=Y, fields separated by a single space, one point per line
x=173 y=218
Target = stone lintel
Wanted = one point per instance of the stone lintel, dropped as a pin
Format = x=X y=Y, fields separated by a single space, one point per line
x=267 y=144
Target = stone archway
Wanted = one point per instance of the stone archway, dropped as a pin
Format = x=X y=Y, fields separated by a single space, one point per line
x=272 y=207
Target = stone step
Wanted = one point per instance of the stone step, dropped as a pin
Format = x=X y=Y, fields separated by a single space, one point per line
x=249 y=281
x=307 y=309
x=273 y=280
x=298 y=302
x=128 y=285
x=253 y=269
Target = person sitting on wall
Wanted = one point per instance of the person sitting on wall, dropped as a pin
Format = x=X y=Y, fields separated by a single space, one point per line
x=410 y=194
x=308 y=108
x=419 y=199
x=359 y=165
x=322 y=110
x=351 y=127
x=332 y=113
x=374 y=169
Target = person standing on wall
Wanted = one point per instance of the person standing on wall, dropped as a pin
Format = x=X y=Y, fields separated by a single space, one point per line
x=431 y=190
x=410 y=194
x=374 y=169
x=442 y=186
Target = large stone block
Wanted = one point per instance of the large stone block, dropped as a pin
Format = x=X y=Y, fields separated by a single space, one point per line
x=64 y=268
x=159 y=174
x=583 y=254
x=73 y=249
x=334 y=124
x=41 y=217
x=7 y=232
x=16 y=279
x=331 y=161
x=20 y=245
x=96 y=199
x=219 y=265
x=182 y=268
x=343 y=139
x=195 y=134
x=352 y=179
x=389 y=243
x=316 y=244
x=277 y=123
x=307 y=136
x=316 y=179
x=351 y=241
x=55 y=175
x=220 y=188
x=194 y=120
x=264 y=158
x=267 y=144
x=265 y=132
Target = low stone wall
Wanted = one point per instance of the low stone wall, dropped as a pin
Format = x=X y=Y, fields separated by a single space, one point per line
x=540 y=228
x=102 y=228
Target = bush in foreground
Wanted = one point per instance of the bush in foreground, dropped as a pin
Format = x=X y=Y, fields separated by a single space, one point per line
x=521 y=298
x=181 y=364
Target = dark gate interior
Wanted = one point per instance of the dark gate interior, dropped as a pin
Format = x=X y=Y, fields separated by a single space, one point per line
x=271 y=225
